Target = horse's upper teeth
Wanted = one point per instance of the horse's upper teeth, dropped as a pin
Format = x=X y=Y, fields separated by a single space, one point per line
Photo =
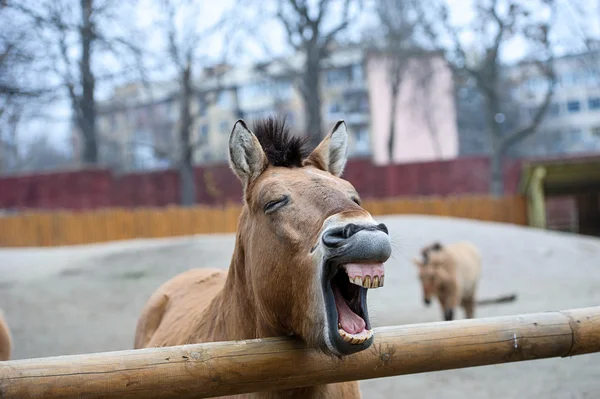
x=367 y=281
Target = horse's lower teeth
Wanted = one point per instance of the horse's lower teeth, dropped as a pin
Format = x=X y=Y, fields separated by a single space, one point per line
x=355 y=338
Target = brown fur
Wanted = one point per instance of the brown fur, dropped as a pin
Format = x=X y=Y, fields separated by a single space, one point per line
x=269 y=289
x=451 y=273
x=5 y=339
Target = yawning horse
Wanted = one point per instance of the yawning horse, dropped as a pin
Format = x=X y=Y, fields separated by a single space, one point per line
x=306 y=253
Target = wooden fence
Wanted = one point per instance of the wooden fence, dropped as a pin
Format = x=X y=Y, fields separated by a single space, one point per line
x=229 y=368
x=70 y=228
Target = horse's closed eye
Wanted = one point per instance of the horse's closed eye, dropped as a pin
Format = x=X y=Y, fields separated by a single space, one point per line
x=357 y=201
x=272 y=206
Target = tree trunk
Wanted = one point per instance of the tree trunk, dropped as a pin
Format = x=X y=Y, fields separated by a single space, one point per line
x=435 y=140
x=87 y=102
x=496 y=172
x=393 y=105
x=312 y=98
x=186 y=167
x=496 y=178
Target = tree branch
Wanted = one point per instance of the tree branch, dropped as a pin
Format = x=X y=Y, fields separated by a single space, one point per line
x=288 y=28
x=172 y=35
x=548 y=71
x=328 y=38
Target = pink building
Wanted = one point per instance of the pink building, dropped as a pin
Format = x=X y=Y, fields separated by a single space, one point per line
x=425 y=114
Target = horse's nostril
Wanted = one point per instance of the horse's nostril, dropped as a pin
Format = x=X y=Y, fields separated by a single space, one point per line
x=383 y=227
x=350 y=229
x=336 y=236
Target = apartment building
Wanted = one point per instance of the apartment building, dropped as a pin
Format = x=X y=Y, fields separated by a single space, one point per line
x=572 y=123
x=138 y=125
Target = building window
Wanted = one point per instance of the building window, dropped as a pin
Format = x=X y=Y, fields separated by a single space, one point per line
x=361 y=145
x=596 y=131
x=203 y=132
x=201 y=106
x=336 y=77
x=574 y=106
x=594 y=103
x=554 y=109
x=224 y=126
x=357 y=73
x=364 y=103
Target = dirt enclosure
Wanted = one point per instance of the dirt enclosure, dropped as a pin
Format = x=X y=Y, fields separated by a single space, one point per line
x=87 y=299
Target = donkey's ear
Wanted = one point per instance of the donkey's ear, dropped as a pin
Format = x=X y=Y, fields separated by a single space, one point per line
x=246 y=157
x=331 y=154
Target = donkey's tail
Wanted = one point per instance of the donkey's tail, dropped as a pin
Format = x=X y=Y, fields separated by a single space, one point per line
x=500 y=299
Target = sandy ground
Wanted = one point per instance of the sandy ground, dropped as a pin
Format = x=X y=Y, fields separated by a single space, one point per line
x=87 y=299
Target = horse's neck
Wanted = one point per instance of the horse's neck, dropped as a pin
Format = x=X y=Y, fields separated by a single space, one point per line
x=232 y=315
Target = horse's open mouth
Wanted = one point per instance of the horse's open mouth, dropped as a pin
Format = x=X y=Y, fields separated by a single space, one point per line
x=346 y=299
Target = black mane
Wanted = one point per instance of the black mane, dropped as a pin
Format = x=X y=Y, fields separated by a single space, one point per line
x=435 y=247
x=282 y=147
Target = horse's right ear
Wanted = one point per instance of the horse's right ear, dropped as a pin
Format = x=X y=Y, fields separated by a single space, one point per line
x=246 y=156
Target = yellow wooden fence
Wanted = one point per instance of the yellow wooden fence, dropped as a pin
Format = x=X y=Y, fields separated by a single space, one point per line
x=70 y=228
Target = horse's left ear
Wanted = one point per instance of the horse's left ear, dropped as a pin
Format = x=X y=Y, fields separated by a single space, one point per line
x=331 y=154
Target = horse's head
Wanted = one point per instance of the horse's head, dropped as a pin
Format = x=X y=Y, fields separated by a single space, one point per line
x=310 y=250
x=430 y=272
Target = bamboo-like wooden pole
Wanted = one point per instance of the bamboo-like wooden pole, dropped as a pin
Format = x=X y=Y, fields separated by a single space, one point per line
x=226 y=368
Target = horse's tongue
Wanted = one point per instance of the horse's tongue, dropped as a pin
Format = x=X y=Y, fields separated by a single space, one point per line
x=350 y=321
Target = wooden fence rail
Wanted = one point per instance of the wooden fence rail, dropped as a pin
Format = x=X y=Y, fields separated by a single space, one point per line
x=70 y=228
x=227 y=368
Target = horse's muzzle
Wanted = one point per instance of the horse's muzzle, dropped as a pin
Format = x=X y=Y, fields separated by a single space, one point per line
x=355 y=242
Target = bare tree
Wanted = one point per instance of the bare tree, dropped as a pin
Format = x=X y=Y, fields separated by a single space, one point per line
x=184 y=47
x=308 y=34
x=494 y=25
x=20 y=97
x=425 y=94
x=89 y=27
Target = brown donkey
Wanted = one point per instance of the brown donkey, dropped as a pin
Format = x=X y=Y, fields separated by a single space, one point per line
x=305 y=254
x=5 y=340
x=451 y=273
